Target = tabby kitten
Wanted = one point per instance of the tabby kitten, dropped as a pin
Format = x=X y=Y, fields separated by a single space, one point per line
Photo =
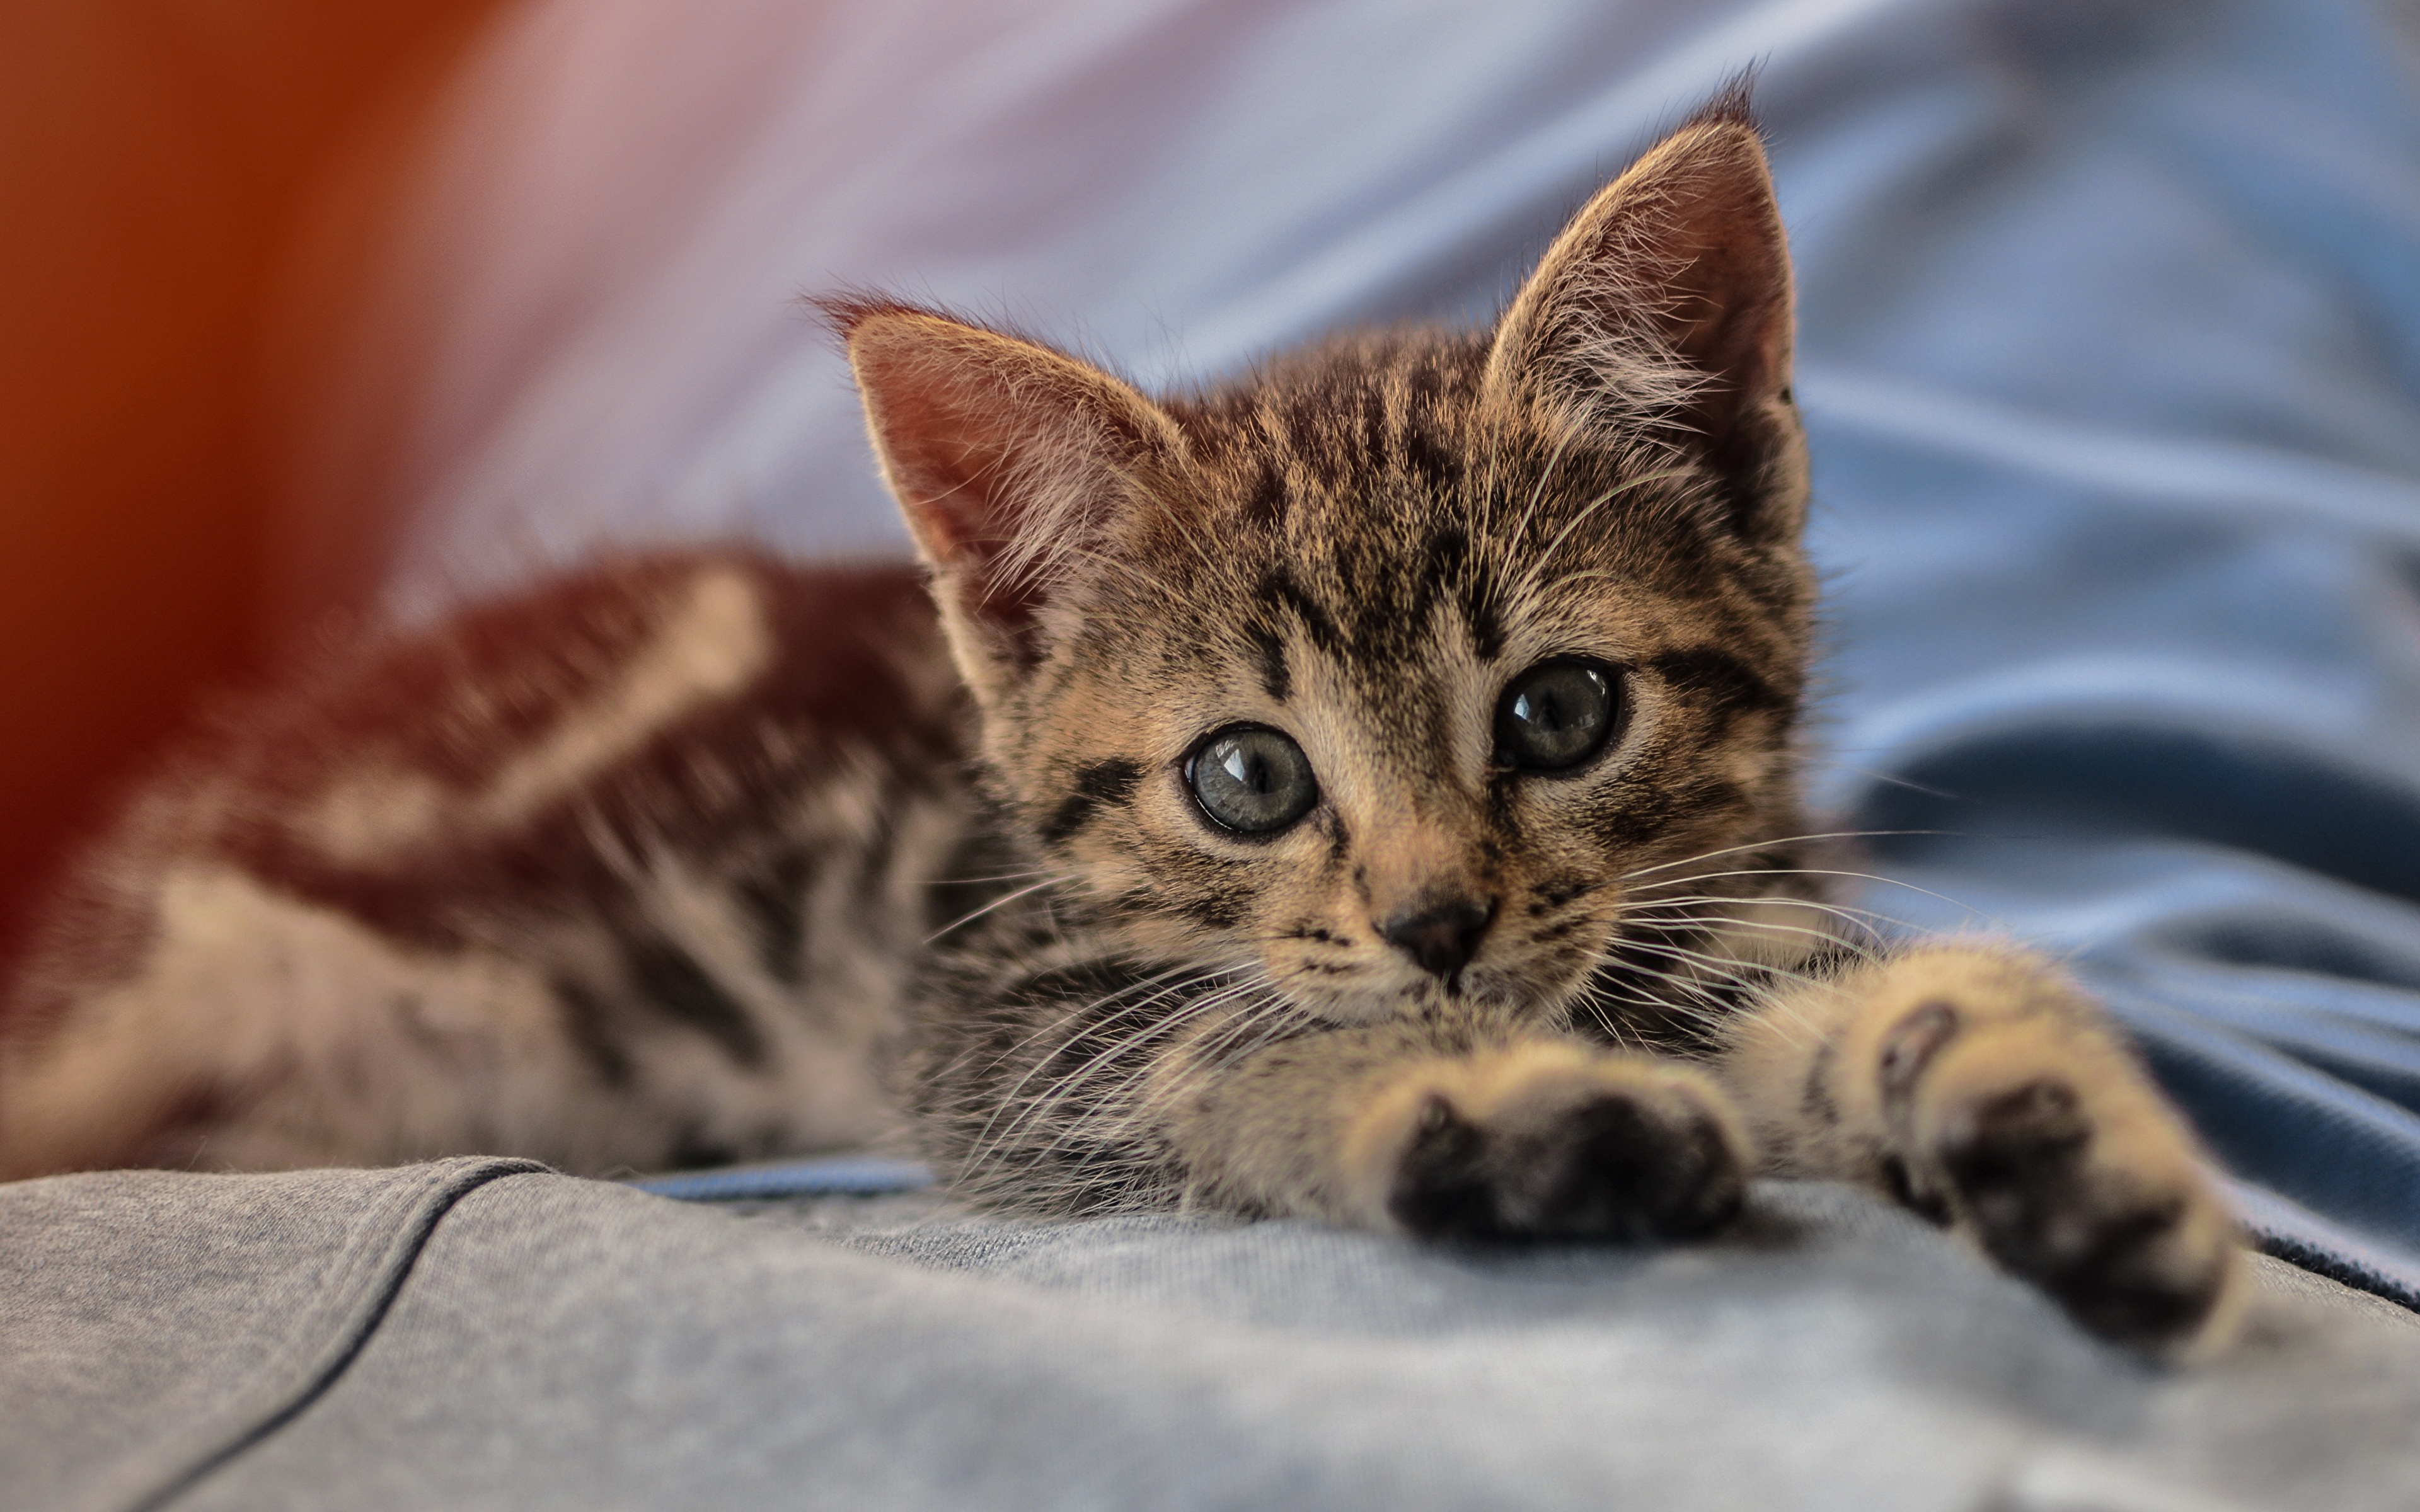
x=1366 y=792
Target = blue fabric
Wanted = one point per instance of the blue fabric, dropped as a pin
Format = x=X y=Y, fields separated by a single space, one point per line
x=2110 y=357
x=2123 y=467
x=770 y=1180
x=2293 y=1233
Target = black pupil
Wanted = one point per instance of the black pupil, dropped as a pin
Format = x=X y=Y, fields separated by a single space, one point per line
x=1556 y=716
x=1254 y=781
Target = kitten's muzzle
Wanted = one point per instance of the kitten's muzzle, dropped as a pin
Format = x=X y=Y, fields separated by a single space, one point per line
x=1441 y=940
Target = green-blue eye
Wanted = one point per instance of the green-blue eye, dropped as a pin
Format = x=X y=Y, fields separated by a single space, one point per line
x=1253 y=780
x=1557 y=715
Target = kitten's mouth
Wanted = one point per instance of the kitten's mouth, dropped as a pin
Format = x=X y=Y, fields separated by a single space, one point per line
x=1488 y=989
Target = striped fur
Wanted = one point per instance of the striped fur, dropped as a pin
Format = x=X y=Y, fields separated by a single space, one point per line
x=699 y=856
x=627 y=872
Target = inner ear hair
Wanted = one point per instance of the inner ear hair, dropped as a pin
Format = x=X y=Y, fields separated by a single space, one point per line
x=1007 y=460
x=1666 y=297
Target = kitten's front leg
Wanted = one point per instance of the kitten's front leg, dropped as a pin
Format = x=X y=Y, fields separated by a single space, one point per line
x=1981 y=1087
x=1401 y=1128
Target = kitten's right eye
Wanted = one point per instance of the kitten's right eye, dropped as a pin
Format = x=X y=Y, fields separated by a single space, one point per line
x=1250 y=779
x=1556 y=715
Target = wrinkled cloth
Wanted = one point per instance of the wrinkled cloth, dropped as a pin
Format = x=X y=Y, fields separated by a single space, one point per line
x=477 y=1333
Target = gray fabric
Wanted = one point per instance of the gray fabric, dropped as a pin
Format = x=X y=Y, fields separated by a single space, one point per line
x=152 y=1323
x=564 y=1343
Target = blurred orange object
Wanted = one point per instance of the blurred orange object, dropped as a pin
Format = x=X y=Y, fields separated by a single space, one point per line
x=154 y=156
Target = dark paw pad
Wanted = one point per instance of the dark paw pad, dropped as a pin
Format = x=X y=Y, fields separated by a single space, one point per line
x=1606 y=1168
x=2126 y=1285
x=1621 y=1173
x=2019 y=1157
x=2019 y=1172
x=1444 y=1188
x=2100 y=1244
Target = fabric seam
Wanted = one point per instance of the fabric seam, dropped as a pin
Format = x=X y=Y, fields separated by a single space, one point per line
x=355 y=1294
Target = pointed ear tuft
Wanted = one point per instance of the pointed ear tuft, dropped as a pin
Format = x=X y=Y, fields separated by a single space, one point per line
x=1007 y=458
x=1733 y=104
x=1668 y=298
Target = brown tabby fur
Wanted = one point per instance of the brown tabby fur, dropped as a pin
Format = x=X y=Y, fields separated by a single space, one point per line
x=651 y=865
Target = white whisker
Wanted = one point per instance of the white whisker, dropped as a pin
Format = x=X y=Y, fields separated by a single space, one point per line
x=1001 y=902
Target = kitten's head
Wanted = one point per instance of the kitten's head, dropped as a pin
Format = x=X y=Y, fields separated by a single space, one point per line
x=1395 y=671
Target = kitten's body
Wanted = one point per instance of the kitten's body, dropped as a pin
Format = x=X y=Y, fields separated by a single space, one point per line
x=625 y=873
x=651 y=867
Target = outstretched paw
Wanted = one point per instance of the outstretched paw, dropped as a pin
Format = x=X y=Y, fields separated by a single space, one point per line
x=2010 y=1115
x=1557 y=1143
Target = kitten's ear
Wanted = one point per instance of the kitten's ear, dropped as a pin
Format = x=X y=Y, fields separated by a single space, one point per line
x=1007 y=458
x=1668 y=298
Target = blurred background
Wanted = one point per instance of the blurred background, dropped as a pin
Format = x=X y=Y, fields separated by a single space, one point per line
x=157 y=157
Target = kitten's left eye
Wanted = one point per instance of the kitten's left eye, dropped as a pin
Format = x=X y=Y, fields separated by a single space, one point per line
x=1251 y=779
x=1556 y=715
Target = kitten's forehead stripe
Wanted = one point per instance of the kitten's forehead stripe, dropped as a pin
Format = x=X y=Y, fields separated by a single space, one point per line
x=1268 y=648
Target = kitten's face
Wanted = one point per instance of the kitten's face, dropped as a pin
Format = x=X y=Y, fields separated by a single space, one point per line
x=1397 y=704
x=1396 y=674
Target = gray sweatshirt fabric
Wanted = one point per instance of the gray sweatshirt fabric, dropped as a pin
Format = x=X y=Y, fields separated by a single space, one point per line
x=485 y=1333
